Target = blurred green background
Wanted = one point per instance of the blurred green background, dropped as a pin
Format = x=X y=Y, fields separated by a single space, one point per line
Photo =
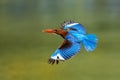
x=24 y=49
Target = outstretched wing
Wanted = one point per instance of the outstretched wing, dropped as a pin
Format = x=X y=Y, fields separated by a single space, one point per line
x=68 y=49
x=65 y=51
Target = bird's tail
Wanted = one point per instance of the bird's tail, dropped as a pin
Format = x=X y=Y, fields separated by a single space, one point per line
x=90 y=42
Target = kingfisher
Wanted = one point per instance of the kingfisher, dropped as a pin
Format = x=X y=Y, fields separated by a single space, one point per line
x=75 y=36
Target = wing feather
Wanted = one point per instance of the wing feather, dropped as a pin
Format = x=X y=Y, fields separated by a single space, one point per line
x=68 y=49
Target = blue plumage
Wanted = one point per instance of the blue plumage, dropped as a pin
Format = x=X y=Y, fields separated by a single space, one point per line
x=66 y=53
x=76 y=37
x=76 y=26
x=90 y=42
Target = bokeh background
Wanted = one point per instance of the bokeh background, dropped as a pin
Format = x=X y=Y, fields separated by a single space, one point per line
x=24 y=49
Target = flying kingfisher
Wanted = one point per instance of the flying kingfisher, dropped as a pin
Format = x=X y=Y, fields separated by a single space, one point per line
x=75 y=36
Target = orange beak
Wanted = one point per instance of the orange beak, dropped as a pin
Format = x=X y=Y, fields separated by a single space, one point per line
x=56 y=31
x=49 y=30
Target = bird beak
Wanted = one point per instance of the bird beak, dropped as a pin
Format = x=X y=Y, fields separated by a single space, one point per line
x=49 y=31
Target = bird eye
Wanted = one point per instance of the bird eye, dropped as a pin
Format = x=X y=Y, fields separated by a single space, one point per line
x=55 y=30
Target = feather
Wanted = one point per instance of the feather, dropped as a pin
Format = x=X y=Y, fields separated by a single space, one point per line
x=65 y=51
x=68 y=52
x=90 y=42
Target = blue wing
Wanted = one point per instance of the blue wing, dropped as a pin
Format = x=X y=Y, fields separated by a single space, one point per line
x=64 y=52
x=69 y=49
